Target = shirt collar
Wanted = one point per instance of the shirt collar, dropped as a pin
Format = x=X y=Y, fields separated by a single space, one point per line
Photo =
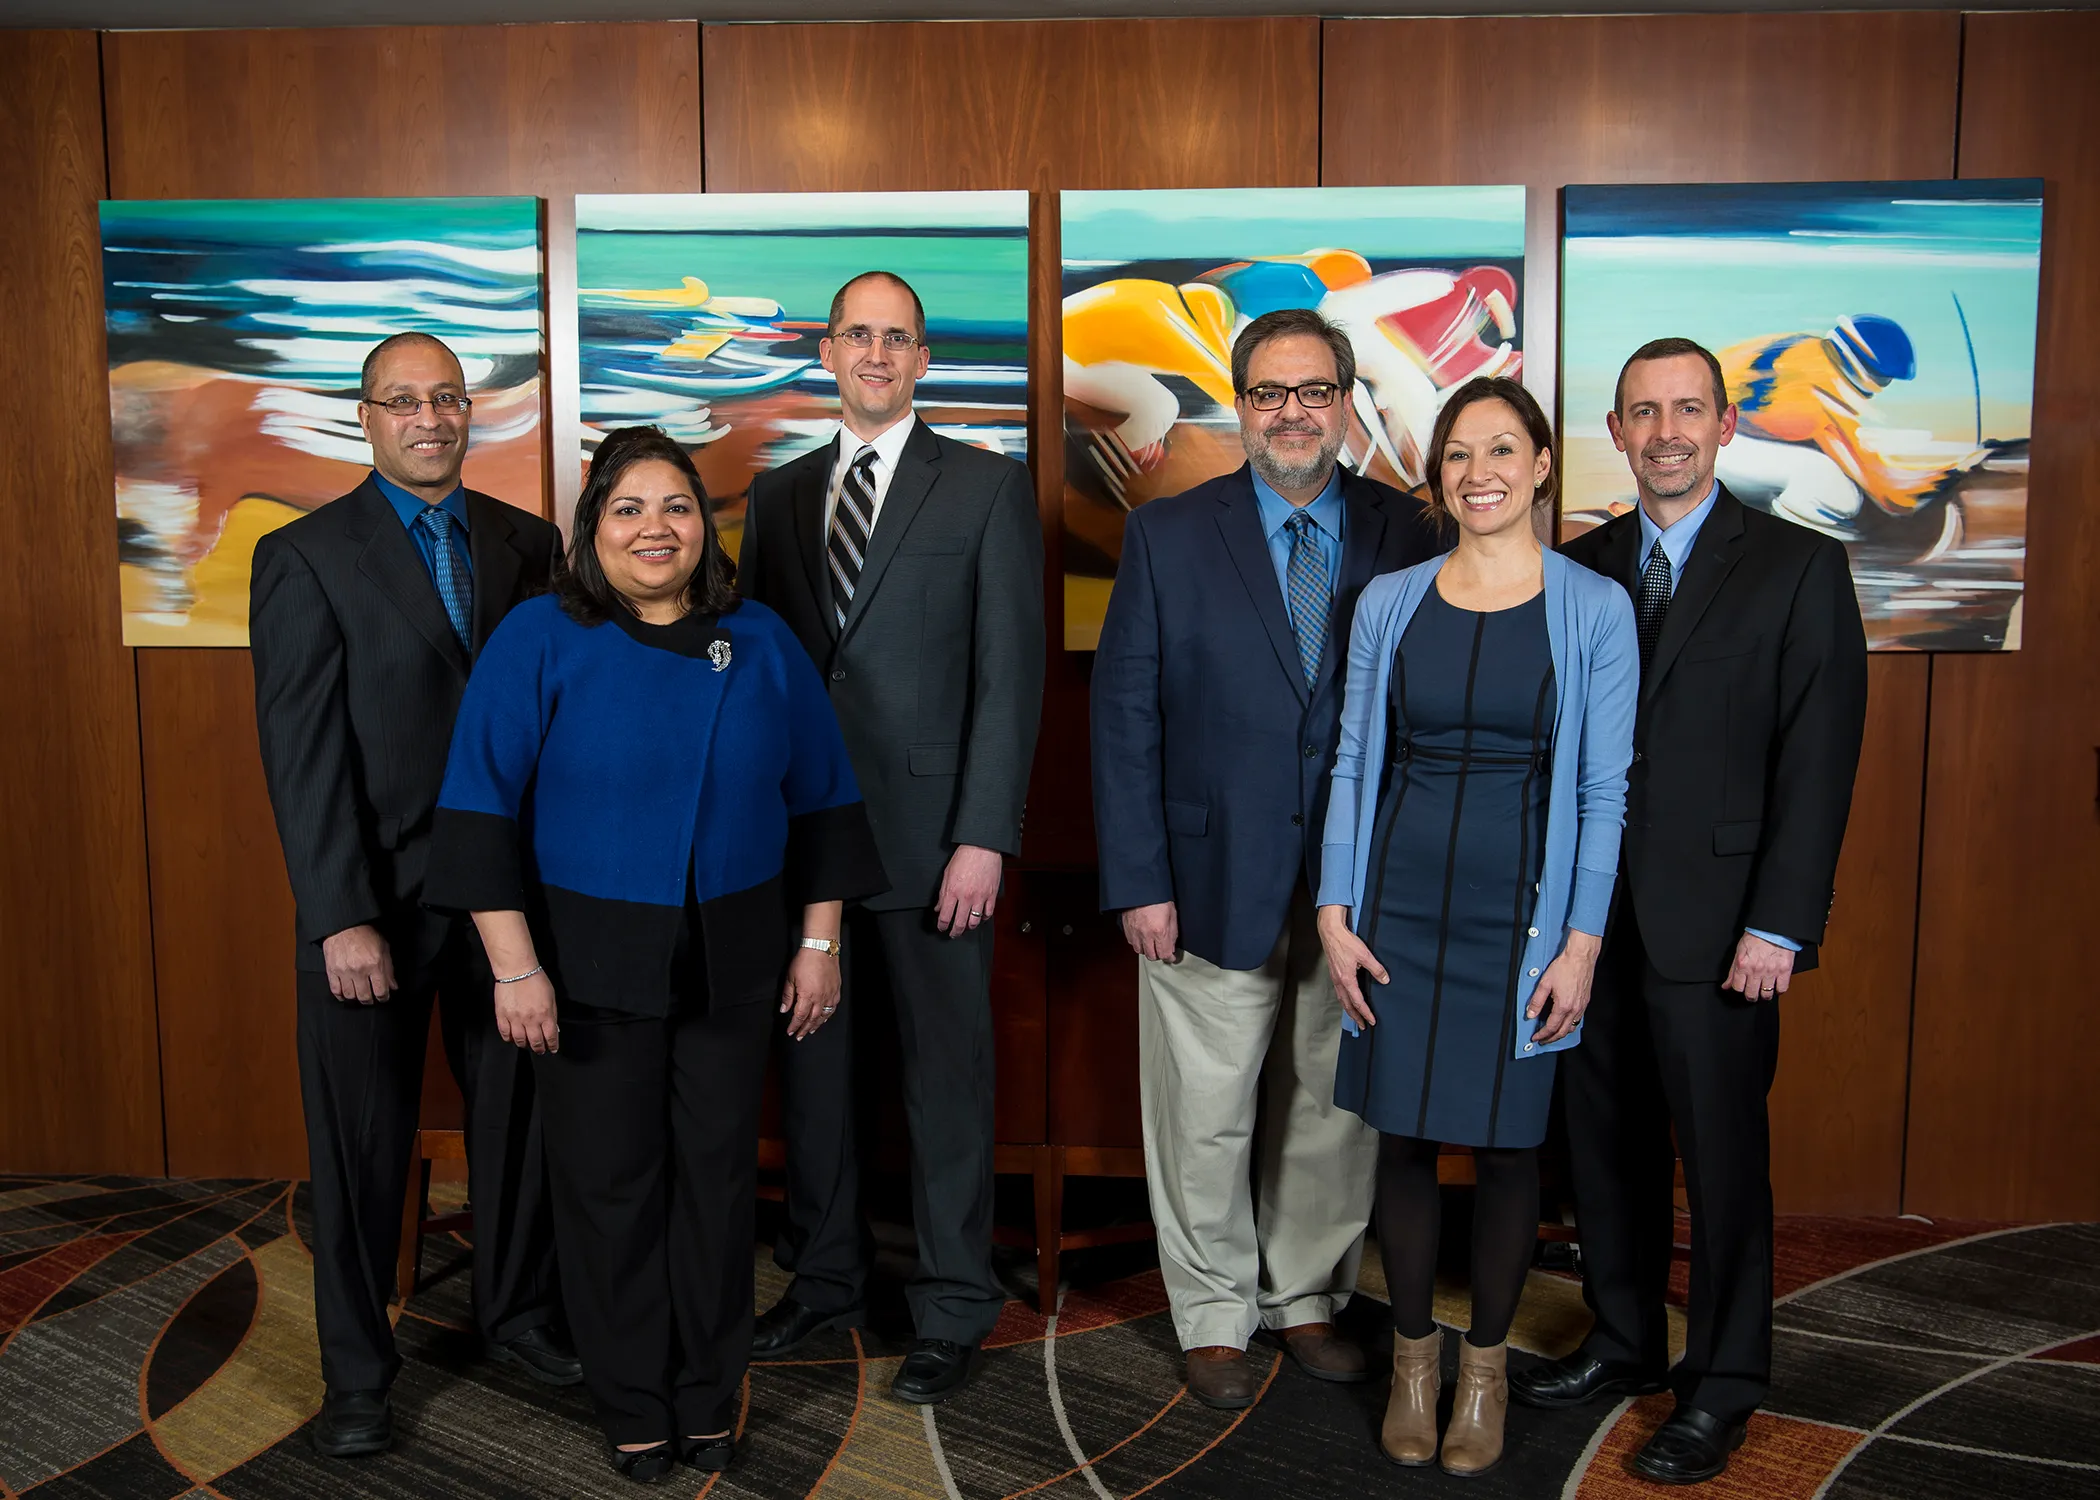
x=888 y=444
x=1325 y=509
x=1677 y=541
x=408 y=506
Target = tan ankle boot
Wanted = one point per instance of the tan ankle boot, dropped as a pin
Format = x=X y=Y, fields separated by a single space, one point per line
x=1473 y=1441
x=1409 y=1434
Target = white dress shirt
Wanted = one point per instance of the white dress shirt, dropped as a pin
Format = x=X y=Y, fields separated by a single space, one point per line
x=888 y=446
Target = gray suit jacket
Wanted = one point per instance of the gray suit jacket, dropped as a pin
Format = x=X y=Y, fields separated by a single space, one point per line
x=937 y=677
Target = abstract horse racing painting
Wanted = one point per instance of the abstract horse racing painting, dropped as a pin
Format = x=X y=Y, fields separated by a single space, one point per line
x=1427 y=281
x=702 y=313
x=1877 y=339
x=236 y=335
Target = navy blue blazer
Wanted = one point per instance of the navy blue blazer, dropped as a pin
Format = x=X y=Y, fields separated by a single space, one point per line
x=1210 y=754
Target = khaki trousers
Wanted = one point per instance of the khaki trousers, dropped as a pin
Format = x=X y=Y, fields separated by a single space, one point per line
x=1252 y=1233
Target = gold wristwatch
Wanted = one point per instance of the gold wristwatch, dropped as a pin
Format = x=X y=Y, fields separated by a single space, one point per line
x=823 y=945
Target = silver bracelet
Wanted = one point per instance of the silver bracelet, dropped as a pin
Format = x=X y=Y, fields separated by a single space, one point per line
x=516 y=977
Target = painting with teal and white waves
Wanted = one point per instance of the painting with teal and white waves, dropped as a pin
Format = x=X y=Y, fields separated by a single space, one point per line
x=237 y=330
x=701 y=313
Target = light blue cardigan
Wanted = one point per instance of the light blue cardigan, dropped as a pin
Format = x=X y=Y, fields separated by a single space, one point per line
x=1597 y=682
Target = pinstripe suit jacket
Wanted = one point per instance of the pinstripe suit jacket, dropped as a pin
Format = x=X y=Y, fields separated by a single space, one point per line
x=357 y=679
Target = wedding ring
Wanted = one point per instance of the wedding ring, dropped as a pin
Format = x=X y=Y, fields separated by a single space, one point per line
x=829 y=1009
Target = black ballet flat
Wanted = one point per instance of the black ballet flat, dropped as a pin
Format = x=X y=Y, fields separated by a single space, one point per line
x=644 y=1465
x=711 y=1455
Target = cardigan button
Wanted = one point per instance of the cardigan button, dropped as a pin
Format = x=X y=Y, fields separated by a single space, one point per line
x=1527 y=1046
x=1534 y=932
x=1534 y=973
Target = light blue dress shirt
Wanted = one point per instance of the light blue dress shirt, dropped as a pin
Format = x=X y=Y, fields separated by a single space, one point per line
x=1677 y=546
x=408 y=507
x=1326 y=512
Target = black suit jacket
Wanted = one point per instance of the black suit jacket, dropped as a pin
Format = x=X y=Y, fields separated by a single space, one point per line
x=358 y=678
x=937 y=677
x=1211 y=756
x=1746 y=740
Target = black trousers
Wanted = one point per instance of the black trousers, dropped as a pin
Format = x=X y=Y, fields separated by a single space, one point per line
x=361 y=1084
x=1657 y=1052
x=943 y=994
x=652 y=1149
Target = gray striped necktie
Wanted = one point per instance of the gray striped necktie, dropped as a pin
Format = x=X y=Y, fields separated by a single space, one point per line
x=852 y=523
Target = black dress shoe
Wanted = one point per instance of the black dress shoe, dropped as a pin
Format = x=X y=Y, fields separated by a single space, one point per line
x=1580 y=1379
x=934 y=1370
x=1691 y=1448
x=710 y=1455
x=646 y=1466
x=541 y=1355
x=353 y=1424
x=785 y=1324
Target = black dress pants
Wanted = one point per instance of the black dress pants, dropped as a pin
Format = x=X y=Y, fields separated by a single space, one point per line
x=652 y=1150
x=1657 y=1052
x=361 y=1085
x=821 y=1243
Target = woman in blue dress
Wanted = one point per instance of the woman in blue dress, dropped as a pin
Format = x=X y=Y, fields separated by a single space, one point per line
x=1470 y=851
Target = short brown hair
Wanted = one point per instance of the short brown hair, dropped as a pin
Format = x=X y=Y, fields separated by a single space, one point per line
x=838 y=302
x=1472 y=393
x=1286 y=322
x=1671 y=349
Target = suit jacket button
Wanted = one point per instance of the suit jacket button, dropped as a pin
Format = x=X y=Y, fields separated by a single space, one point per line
x=838 y=675
x=1311 y=751
x=1297 y=820
x=1638 y=757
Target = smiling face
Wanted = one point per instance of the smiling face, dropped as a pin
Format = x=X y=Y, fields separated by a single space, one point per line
x=651 y=538
x=875 y=383
x=1490 y=469
x=1294 y=447
x=422 y=453
x=1670 y=430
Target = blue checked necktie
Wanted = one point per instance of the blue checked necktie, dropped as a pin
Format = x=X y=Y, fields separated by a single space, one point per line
x=1652 y=602
x=852 y=523
x=452 y=585
x=1307 y=593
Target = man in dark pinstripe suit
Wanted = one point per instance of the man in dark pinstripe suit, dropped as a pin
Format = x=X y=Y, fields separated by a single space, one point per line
x=364 y=617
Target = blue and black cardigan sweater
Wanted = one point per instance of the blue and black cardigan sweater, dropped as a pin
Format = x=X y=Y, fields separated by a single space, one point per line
x=603 y=776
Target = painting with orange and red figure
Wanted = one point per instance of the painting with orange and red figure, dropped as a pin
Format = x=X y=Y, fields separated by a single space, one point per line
x=237 y=334
x=1427 y=282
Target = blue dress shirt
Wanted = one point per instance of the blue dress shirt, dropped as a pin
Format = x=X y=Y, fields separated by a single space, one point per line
x=1326 y=512
x=1677 y=546
x=408 y=507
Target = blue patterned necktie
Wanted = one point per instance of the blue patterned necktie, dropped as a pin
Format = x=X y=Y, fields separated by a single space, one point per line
x=1307 y=593
x=1652 y=601
x=452 y=586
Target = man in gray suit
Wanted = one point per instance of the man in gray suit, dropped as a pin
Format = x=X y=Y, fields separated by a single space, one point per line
x=911 y=566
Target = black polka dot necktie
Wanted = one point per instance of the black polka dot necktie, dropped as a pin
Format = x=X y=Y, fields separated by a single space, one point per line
x=1653 y=601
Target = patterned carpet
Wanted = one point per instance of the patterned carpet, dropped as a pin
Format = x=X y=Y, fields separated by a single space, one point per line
x=156 y=1341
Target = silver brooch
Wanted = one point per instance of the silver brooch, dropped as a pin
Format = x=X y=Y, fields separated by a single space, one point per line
x=718 y=653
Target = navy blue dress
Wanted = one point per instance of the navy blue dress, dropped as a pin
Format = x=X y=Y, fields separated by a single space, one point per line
x=1458 y=850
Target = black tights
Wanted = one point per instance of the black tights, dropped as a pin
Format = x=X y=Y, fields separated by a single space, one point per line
x=1505 y=1226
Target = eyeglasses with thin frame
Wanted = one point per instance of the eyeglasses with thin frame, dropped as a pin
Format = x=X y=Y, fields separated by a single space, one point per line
x=896 y=340
x=444 y=403
x=1312 y=395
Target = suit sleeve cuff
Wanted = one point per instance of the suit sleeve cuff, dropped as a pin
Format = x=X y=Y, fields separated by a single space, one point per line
x=1590 y=906
x=1772 y=937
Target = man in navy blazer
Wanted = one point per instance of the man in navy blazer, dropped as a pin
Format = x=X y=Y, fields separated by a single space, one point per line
x=1217 y=696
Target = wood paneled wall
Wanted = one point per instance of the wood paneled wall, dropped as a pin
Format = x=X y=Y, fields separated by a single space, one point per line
x=79 y=1082
x=547 y=110
x=2002 y=1116
x=1978 y=770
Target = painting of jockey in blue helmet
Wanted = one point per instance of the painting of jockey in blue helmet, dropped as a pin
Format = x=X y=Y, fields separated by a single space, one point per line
x=1877 y=342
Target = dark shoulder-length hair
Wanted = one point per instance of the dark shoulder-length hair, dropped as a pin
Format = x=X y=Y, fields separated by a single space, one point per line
x=1536 y=427
x=585 y=593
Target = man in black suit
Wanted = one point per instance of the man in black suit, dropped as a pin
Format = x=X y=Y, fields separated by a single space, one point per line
x=911 y=566
x=364 y=617
x=1753 y=703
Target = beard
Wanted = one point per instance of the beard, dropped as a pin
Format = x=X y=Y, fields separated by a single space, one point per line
x=1673 y=483
x=1280 y=473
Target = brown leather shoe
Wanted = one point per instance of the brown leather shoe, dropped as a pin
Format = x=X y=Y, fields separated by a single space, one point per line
x=1473 y=1441
x=1408 y=1437
x=1219 y=1376
x=1324 y=1355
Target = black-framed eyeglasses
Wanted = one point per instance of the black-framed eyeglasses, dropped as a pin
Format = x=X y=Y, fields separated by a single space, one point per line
x=1312 y=395
x=896 y=340
x=444 y=403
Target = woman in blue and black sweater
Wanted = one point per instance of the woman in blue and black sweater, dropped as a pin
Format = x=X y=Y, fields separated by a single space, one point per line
x=650 y=813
